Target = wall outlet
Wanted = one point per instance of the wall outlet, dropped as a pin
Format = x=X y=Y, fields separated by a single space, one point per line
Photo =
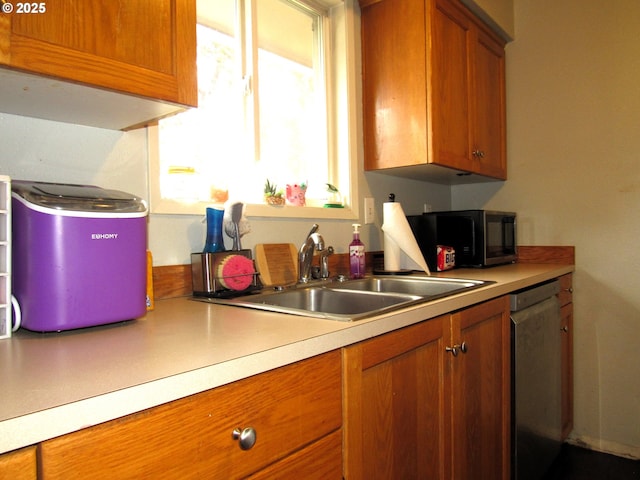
x=369 y=210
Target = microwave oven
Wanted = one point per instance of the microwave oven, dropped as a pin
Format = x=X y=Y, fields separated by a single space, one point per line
x=480 y=238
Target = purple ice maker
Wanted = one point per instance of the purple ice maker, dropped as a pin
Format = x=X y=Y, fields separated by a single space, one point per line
x=79 y=255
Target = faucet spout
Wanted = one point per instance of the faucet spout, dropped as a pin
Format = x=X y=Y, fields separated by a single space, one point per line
x=314 y=241
x=324 y=262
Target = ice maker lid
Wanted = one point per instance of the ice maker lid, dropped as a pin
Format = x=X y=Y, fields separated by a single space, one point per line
x=78 y=198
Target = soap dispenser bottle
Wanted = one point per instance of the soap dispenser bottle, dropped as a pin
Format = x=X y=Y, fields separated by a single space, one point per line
x=356 y=254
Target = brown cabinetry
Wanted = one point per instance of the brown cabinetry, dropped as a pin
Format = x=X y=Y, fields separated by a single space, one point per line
x=145 y=49
x=19 y=465
x=433 y=90
x=293 y=413
x=480 y=394
x=566 y=318
x=394 y=407
x=431 y=400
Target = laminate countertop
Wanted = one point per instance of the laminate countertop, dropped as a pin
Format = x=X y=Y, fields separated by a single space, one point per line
x=55 y=383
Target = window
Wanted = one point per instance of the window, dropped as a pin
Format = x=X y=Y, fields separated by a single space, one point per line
x=268 y=109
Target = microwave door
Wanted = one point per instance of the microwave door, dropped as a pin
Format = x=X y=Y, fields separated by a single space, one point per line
x=509 y=235
x=499 y=236
x=460 y=233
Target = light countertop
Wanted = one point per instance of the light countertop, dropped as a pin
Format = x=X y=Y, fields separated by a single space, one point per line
x=56 y=383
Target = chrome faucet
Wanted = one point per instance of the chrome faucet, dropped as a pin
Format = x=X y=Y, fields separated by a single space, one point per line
x=313 y=241
x=324 y=262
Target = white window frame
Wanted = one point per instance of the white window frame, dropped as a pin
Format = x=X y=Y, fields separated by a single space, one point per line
x=343 y=145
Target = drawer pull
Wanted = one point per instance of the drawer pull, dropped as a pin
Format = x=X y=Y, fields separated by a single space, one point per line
x=246 y=437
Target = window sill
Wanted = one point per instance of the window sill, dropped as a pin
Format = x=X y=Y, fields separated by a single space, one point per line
x=258 y=211
x=286 y=211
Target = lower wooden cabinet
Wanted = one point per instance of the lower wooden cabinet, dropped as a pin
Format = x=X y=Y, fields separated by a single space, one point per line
x=431 y=400
x=394 y=424
x=479 y=391
x=294 y=412
x=19 y=464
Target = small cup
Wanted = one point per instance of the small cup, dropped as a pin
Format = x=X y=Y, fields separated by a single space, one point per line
x=296 y=194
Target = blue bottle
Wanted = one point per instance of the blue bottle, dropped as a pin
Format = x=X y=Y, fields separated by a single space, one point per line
x=214 y=241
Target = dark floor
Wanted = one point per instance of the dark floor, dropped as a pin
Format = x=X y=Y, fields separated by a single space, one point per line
x=576 y=463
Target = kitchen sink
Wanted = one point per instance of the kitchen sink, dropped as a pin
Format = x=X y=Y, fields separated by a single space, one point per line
x=325 y=302
x=426 y=287
x=353 y=299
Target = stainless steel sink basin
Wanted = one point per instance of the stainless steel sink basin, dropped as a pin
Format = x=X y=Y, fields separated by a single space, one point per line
x=354 y=299
x=427 y=287
x=325 y=302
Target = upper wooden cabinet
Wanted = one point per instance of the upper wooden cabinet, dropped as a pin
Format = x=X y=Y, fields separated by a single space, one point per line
x=143 y=49
x=433 y=91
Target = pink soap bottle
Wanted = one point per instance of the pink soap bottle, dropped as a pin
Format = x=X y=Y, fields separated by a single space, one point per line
x=356 y=254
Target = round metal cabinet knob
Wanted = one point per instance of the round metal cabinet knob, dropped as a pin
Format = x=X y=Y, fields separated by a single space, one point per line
x=457 y=348
x=246 y=437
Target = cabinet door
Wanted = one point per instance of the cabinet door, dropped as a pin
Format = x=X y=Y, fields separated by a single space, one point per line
x=451 y=42
x=19 y=464
x=394 y=70
x=468 y=93
x=289 y=408
x=145 y=48
x=393 y=407
x=480 y=391
x=488 y=148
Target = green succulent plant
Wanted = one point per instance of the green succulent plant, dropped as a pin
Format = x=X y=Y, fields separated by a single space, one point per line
x=271 y=190
x=272 y=194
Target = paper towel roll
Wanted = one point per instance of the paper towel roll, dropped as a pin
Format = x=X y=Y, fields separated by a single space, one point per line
x=401 y=250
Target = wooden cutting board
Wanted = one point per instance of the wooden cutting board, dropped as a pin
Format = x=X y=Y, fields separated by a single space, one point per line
x=277 y=263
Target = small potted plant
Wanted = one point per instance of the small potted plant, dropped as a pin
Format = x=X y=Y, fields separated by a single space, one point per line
x=334 y=199
x=272 y=195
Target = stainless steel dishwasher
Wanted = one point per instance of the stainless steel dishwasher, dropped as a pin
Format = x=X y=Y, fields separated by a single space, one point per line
x=535 y=387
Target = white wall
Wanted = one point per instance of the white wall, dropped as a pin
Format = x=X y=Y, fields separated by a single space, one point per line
x=32 y=149
x=573 y=111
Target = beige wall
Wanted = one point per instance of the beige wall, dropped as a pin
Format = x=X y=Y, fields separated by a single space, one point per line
x=573 y=80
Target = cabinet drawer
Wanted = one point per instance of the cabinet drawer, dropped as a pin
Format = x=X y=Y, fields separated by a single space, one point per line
x=289 y=408
x=321 y=460
x=566 y=289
